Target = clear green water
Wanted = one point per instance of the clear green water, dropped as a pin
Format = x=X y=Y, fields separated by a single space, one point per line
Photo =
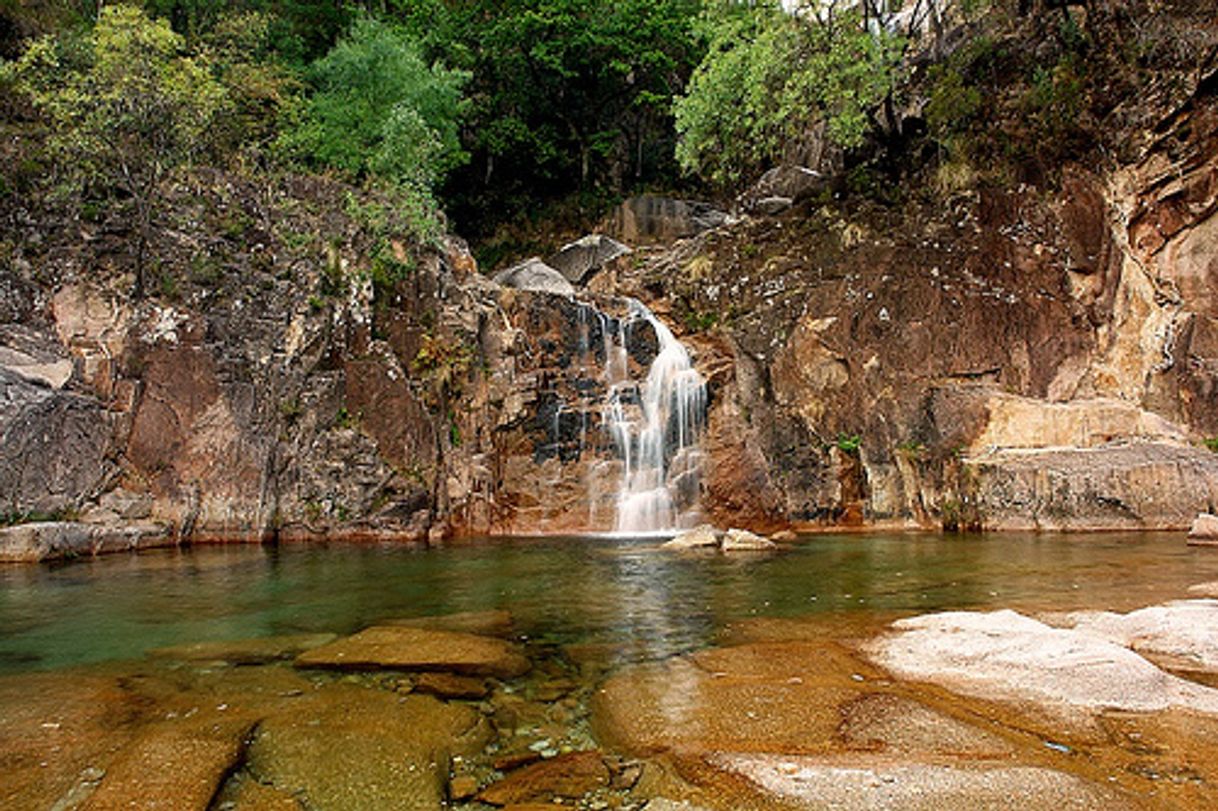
x=565 y=590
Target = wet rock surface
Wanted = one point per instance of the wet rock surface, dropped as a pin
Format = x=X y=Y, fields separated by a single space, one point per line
x=391 y=647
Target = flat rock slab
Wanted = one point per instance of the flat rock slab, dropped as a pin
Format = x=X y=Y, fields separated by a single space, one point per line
x=705 y=536
x=485 y=623
x=1007 y=656
x=392 y=647
x=1183 y=633
x=245 y=651
x=884 y=722
x=566 y=776
x=854 y=784
x=176 y=766
x=761 y=697
x=359 y=749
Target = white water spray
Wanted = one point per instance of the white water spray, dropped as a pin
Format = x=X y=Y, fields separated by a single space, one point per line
x=655 y=428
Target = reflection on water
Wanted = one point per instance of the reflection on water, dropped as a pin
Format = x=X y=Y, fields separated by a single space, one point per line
x=617 y=593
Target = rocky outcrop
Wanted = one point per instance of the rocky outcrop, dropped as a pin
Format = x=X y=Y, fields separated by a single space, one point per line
x=1204 y=528
x=56 y=540
x=580 y=260
x=537 y=276
x=1007 y=656
x=650 y=219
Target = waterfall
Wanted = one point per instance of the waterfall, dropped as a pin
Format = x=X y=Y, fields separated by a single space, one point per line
x=655 y=427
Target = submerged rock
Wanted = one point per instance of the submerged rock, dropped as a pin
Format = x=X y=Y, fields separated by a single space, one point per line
x=741 y=540
x=245 y=651
x=566 y=776
x=174 y=765
x=485 y=623
x=387 y=647
x=349 y=747
x=535 y=275
x=696 y=538
x=1007 y=656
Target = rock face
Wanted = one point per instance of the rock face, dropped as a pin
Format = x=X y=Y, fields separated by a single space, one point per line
x=1018 y=359
x=55 y=540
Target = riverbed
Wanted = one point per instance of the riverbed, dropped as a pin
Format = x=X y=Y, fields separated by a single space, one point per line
x=110 y=664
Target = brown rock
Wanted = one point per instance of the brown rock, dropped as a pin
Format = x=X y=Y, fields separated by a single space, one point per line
x=449 y=685
x=344 y=746
x=514 y=760
x=387 y=647
x=173 y=766
x=487 y=623
x=759 y=697
x=567 y=776
x=462 y=787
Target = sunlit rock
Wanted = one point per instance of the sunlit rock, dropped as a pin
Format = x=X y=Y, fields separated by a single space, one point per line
x=388 y=647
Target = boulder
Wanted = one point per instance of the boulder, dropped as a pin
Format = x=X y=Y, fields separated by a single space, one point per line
x=696 y=538
x=580 y=260
x=388 y=647
x=1204 y=528
x=566 y=776
x=782 y=186
x=771 y=206
x=1182 y=634
x=784 y=536
x=1007 y=656
x=535 y=275
x=741 y=540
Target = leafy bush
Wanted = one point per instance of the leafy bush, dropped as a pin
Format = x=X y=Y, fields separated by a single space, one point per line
x=379 y=111
x=769 y=77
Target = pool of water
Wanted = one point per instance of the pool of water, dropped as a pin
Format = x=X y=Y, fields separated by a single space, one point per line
x=567 y=590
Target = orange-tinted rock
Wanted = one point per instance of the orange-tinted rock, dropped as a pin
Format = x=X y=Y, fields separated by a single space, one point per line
x=566 y=776
x=349 y=747
x=173 y=766
x=761 y=697
x=450 y=685
x=245 y=651
x=388 y=647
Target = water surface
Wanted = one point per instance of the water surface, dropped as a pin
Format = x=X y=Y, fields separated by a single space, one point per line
x=567 y=590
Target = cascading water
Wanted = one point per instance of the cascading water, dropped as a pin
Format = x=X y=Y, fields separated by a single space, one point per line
x=655 y=428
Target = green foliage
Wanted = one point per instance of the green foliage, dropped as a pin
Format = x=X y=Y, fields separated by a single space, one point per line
x=379 y=111
x=849 y=443
x=1211 y=443
x=568 y=95
x=770 y=77
x=123 y=103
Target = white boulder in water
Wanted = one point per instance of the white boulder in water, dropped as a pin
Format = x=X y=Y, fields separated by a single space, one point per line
x=696 y=538
x=741 y=540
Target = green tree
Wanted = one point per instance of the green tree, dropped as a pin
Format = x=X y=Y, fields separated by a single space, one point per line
x=124 y=106
x=380 y=112
x=770 y=75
